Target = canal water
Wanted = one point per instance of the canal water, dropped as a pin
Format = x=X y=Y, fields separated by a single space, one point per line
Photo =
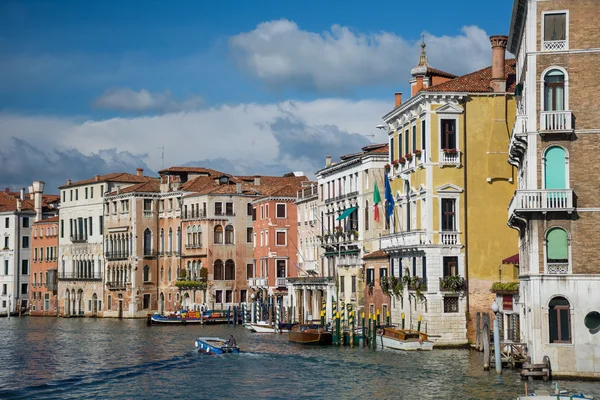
x=56 y=358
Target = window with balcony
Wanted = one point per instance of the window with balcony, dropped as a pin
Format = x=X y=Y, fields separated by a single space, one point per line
x=555 y=31
x=448 y=215
x=555 y=168
x=382 y=273
x=229 y=234
x=559 y=319
x=229 y=270
x=281 y=269
x=554 y=90
x=414 y=138
x=218 y=270
x=147 y=242
x=557 y=251
x=218 y=234
x=448 y=134
x=392 y=155
x=450 y=266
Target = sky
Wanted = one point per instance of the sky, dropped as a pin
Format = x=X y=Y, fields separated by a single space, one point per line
x=245 y=87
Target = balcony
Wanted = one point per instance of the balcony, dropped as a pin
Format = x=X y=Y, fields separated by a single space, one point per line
x=114 y=255
x=449 y=157
x=149 y=254
x=554 y=268
x=148 y=214
x=193 y=215
x=555 y=45
x=348 y=261
x=450 y=238
x=79 y=238
x=193 y=245
x=556 y=122
x=260 y=282
x=307 y=193
x=75 y=276
x=116 y=285
x=250 y=282
x=224 y=214
x=540 y=200
x=280 y=282
x=402 y=240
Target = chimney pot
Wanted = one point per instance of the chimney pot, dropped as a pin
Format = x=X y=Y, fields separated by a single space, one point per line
x=256 y=180
x=327 y=161
x=398 y=98
x=498 y=82
x=139 y=171
x=68 y=182
x=238 y=188
x=22 y=194
x=96 y=178
x=31 y=192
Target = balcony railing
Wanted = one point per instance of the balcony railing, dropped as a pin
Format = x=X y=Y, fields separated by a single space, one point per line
x=75 y=276
x=348 y=261
x=250 y=282
x=79 y=238
x=112 y=256
x=224 y=214
x=309 y=265
x=449 y=158
x=554 y=45
x=541 y=200
x=402 y=239
x=116 y=285
x=148 y=213
x=260 y=282
x=557 y=268
x=193 y=245
x=449 y=238
x=556 y=121
x=280 y=282
x=307 y=192
x=192 y=214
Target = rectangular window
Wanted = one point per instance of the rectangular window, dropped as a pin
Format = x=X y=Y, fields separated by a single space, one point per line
x=46 y=301
x=253 y=214
x=24 y=288
x=25 y=242
x=382 y=272
x=101 y=190
x=91 y=192
x=71 y=195
x=62 y=228
x=86 y=193
x=423 y=136
x=101 y=220
x=229 y=208
x=266 y=211
x=76 y=194
x=6 y=239
x=147 y=205
x=25 y=222
x=90 y=226
x=228 y=296
x=451 y=304
x=24 y=267
x=281 y=238
x=560 y=324
x=6 y=222
x=281 y=270
x=5 y=267
x=64 y=196
x=218 y=208
x=250 y=211
x=146 y=304
x=450 y=265
x=392 y=158
x=4 y=288
x=342 y=285
x=555 y=27
x=370 y=275
x=243 y=295
x=281 y=211
x=354 y=284
x=35 y=254
x=414 y=138
x=219 y=296
x=249 y=235
x=448 y=134
x=449 y=215
x=249 y=271
x=424 y=268
x=406 y=141
x=41 y=253
x=414 y=266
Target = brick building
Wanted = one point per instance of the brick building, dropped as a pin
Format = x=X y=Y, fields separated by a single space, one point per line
x=554 y=145
x=44 y=267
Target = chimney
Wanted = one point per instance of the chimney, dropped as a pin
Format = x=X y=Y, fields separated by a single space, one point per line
x=498 y=82
x=38 y=190
x=22 y=194
x=19 y=205
x=7 y=190
x=118 y=189
x=327 y=161
x=398 y=98
x=96 y=178
x=139 y=171
x=256 y=180
x=238 y=188
x=30 y=190
x=68 y=182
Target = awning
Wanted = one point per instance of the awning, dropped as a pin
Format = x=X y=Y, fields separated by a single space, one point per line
x=511 y=260
x=346 y=213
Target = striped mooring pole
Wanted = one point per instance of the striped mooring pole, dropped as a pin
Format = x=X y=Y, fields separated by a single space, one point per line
x=374 y=332
x=419 y=323
x=323 y=312
x=388 y=318
x=364 y=339
x=351 y=329
x=403 y=320
x=257 y=311
x=243 y=314
x=277 y=318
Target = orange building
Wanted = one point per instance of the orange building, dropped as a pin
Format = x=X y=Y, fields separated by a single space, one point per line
x=377 y=299
x=44 y=267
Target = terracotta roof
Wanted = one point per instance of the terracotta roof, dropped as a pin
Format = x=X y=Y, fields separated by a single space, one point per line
x=152 y=186
x=478 y=81
x=8 y=202
x=47 y=220
x=438 y=72
x=112 y=177
x=198 y=170
x=376 y=254
x=268 y=185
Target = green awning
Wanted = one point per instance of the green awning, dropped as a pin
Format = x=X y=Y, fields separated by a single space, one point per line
x=346 y=213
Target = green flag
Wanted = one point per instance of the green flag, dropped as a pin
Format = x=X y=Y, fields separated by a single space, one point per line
x=376 y=201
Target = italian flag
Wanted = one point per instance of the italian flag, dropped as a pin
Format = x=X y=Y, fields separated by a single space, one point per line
x=376 y=201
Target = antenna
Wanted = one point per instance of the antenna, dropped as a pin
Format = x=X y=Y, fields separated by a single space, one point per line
x=162 y=157
x=368 y=135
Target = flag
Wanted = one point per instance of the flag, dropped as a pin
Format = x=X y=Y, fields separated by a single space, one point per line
x=389 y=209
x=376 y=201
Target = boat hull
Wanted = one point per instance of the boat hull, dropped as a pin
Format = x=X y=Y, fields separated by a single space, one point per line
x=161 y=320
x=266 y=328
x=405 y=345
x=309 y=334
x=210 y=345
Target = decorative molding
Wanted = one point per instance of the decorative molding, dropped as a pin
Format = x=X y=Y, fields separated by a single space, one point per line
x=449 y=109
x=449 y=188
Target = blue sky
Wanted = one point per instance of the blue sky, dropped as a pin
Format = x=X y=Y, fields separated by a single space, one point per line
x=89 y=73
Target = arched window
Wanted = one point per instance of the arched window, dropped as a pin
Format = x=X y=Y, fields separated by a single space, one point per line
x=554 y=90
x=218 y=270
x=557 y=251
x=229 y=270
x=162 y=241
x=146 y=273
x=559 y=318
x=189 y=235
x=170 y=240
x=178 y=240
x=192 y=272
x=147 y=242
x=162 y=273
x=229 y=234
x=555 y=168
x=199 y=235
x=218 y=234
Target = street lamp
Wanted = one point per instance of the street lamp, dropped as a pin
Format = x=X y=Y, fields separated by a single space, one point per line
x=495 y=309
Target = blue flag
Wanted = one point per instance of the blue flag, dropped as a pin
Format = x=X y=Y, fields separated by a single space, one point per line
x=389 y=207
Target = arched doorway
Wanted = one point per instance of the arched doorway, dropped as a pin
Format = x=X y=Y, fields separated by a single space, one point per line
x=161 y=304
x=120 y=312
x=94 y=304
x=67 y=307
x=186 y=301
x=80 y=302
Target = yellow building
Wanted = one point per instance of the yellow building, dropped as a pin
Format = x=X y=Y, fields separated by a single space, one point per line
x=451 y=185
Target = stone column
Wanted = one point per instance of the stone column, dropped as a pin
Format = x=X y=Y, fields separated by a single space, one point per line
x=304 y=303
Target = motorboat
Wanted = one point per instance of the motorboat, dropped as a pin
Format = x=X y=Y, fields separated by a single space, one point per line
x=404 y=339
x=265 y=327
x=309 y=334
x=213 y=345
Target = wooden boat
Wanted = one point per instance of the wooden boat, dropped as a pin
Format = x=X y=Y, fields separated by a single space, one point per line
x=212 y=345
x=404 y=339
x=264 y=327
x=190 y=317
x=309 y=334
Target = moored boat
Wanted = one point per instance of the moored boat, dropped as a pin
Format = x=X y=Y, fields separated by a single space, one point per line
x=404 y=339
x=309 y=334
x=265 y=327
x=213 y=345
x=190 y=317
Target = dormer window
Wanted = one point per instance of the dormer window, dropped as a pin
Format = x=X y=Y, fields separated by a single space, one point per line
x=555 y=31
x=223 y=180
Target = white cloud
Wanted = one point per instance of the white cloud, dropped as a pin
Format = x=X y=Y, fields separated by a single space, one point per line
x=125 y=99
x=253 y=138
x=283 y=56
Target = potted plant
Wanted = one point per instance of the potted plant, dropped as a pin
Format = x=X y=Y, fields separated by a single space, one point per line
x=395 y=163
x=450 y=151
x=387 y=167
x=408 y=156
x=339 y=233
x=402 y=160
x=453 y=284
x=418 y=153
x=505 y=288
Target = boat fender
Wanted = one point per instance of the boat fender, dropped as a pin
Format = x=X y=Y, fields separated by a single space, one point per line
x=196 y=343
x=420 y=341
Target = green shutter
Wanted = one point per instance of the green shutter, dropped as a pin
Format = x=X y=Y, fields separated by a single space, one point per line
x=555 y=174
x=557 y=245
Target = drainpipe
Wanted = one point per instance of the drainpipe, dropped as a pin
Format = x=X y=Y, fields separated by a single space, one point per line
x=466 y=227
x=156 y=257
x=17 y=298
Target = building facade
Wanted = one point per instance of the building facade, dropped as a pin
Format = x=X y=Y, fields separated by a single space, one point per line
x=44 y=271
x=554 y=144
x=449 y=185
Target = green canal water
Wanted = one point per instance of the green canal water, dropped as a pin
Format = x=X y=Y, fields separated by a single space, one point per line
x=55 y=358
